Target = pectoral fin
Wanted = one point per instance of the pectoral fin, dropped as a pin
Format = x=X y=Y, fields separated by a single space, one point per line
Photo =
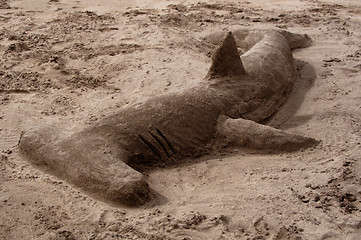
x=249 y=134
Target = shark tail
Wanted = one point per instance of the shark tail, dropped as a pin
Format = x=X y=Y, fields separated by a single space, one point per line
x=245 y=39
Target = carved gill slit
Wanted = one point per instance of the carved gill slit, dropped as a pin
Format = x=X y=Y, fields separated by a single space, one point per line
x=150 y=146
x=166 y=140
x=161 y=144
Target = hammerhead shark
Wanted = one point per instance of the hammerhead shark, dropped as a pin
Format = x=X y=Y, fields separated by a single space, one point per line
x=224 y=110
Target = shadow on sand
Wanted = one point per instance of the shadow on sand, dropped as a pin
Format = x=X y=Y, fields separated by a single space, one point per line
x=285 y=117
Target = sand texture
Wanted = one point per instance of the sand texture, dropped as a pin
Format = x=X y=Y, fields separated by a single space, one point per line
x=72 y=64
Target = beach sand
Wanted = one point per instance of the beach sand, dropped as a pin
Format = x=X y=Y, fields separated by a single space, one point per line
x=71 y=63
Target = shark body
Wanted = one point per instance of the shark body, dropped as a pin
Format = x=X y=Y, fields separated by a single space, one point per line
x=225 y=109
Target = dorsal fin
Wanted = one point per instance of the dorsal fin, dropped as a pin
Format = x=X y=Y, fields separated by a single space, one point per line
x=226 y=61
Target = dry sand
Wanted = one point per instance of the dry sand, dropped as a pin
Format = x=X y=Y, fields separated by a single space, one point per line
x=73 y=62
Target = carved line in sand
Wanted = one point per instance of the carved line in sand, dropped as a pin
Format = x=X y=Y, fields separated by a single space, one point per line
x=223 y=111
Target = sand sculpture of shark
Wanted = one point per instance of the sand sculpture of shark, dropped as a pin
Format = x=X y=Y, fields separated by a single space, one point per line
x=224 y=110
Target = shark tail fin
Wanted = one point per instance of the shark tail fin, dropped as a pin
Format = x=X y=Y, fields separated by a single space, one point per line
x=296 y=40
x=226 y=61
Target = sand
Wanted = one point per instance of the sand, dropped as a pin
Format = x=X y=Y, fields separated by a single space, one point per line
x=71 y=63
